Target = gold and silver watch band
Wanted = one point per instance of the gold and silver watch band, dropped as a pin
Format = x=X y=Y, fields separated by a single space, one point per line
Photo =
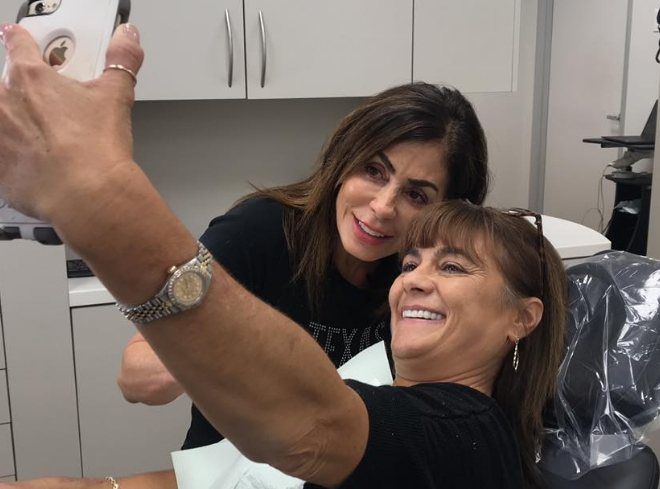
x=113 y=482
x=165 y=303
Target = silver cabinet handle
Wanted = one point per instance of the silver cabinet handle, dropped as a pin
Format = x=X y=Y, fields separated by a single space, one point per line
x=613 y=117
x=230 y=45
x=263 y=49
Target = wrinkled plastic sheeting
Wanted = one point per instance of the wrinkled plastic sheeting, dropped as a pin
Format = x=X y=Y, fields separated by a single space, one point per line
x=608 y=395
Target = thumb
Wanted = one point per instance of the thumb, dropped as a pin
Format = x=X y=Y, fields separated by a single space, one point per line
x=124 y=51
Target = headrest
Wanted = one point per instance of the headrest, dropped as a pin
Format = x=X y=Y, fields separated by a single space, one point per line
x=609 y=382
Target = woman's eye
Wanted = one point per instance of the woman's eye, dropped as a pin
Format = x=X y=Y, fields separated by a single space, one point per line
x=418 y=197
x=408 y=266
x=452 y=268
x=373 y=171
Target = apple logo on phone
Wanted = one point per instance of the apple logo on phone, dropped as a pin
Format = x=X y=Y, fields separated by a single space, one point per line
x=59 y=52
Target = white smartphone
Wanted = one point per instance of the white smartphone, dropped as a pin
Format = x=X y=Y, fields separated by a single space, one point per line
x=73 y=36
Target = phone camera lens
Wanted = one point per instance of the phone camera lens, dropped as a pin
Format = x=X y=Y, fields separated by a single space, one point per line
x=39 y=8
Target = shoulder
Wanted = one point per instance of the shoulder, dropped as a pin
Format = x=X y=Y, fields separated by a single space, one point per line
x=253 y=215
x=250 y=223
x=437 y=400
x=443 y=433
x=249 y=242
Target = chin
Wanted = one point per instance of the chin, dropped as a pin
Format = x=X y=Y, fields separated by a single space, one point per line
x=364 y=254
x=407 y=348
x=367 y=256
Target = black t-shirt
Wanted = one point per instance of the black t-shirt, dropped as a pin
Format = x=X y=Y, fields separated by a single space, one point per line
x=249 y=242
x=433 y=436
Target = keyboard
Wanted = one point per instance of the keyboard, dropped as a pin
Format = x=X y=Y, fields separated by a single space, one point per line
x=77 y=268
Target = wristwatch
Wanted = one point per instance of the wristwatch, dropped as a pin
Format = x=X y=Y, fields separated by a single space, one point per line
x=184 y=289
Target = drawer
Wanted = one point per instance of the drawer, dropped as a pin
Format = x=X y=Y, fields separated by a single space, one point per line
x=6 y=451
x=9 y=478
x=4 y=398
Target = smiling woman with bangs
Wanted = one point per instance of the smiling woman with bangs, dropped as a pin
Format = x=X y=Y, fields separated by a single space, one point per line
x=324 y=250
x=480 y=302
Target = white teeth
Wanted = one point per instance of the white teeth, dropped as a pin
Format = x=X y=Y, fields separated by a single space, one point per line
x=370 y=232
x=421 y=314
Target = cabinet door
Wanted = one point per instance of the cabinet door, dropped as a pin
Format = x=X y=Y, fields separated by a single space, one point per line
x=189 y=52
x=470 y=44
x=117 y=437
x=6 y=451
x=315 y=48
x=36 y=325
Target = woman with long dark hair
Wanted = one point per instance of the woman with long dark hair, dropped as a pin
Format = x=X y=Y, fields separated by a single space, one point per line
x=323 y=250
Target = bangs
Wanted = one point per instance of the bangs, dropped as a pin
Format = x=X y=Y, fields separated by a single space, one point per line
x=482 y=232
x=456 y=224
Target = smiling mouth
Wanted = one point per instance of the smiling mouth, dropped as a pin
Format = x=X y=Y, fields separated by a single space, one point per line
x=370 y=231
x=422 y=314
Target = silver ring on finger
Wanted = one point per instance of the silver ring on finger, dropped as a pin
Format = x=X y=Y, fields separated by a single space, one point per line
x=124 y=69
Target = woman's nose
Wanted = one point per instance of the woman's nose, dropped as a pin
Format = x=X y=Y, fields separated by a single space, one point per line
x=384 y=203
x=417 y=281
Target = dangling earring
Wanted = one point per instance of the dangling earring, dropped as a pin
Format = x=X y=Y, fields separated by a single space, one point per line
x=516 y=357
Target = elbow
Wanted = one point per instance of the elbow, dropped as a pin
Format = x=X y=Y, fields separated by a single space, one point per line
x=128 y=389
x=303 y=456
x=152 y=392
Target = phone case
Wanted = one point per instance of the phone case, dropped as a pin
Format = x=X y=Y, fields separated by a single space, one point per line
x=73 y=36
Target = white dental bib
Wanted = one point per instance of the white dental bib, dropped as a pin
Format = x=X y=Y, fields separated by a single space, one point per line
x=222 y=466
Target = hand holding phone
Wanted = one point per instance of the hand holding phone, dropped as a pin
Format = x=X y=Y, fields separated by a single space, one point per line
x=73 y=36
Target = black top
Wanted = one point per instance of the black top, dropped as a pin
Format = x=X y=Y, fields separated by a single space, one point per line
x=249 y=242
x=433 y=436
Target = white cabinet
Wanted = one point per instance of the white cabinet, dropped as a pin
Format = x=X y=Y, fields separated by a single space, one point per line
x=257 y=49
x=315 y=48
x=5 y=417
x=67 y=416
x=194 y=49
x=40 y=370
x=117 y=437
x=470 y=44
x=2 y=349
x=293 y=48
x=6 y=451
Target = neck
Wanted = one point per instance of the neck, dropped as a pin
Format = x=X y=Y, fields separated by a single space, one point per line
x=353 y=270
x=482 y=381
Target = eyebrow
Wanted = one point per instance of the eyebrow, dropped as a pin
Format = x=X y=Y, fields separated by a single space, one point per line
x=452 y=250
x=414 y=252
x=412 y=181
x=441 y=253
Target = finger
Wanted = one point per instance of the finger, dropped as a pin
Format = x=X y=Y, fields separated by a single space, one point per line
x=19 y=44
x=125 y=51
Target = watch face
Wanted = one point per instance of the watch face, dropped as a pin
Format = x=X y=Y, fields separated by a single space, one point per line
x=188 y=288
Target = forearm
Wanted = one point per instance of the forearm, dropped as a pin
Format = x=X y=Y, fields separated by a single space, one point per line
x=152 y=480
x=258 y=377
x=143 y=377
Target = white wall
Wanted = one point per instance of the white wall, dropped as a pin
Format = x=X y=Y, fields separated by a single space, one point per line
x=201 y=155
x=643 y=80
x=643 y=72
x=653 y=249
x=586 y=84
x=507 y=119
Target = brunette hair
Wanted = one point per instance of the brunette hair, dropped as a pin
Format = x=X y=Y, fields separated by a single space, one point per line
x=514 y=244
x=415 y=112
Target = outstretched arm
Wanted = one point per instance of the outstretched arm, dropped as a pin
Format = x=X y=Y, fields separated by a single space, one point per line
x=143 y=377
x=152 y=480
x=66 y=156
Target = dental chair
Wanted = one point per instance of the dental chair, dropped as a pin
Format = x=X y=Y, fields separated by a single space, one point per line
x=608 y=395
